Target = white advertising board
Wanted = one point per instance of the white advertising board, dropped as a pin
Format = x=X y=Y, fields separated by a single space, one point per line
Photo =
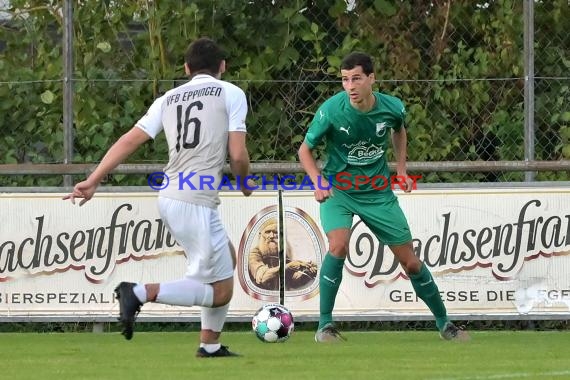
x=492 y=252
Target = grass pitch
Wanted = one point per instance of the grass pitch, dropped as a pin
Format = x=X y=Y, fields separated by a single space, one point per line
x=366 y=355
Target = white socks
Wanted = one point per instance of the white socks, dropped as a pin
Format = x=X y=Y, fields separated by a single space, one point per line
x=213 y=318
x=186 y=292
x=211 y=348
x=140 y=292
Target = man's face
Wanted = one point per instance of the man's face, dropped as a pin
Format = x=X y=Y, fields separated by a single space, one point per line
x=269 y=234
x=357 y=85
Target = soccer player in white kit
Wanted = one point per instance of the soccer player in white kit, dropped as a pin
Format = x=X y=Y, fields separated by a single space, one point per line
x=204 y=120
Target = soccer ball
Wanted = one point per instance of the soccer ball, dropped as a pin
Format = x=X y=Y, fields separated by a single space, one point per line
x=273 y=323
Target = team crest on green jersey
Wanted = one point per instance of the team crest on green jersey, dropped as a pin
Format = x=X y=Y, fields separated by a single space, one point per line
x=380 y=129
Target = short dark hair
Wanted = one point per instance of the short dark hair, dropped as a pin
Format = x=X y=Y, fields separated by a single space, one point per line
x=358 y=59
x=204 y=55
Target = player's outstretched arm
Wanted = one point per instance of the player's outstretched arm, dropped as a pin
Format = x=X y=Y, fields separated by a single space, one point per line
x=123 y=148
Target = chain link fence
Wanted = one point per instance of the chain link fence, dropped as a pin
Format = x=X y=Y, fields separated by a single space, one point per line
x=459 y=66
x=462 y=79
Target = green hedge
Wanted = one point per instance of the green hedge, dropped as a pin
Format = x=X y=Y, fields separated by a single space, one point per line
x=458 y=68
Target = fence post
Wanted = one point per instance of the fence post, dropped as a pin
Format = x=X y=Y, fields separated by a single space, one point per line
x=68 y=87
x=529 y=140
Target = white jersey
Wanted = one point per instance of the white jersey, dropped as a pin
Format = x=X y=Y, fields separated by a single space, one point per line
x=196 y=118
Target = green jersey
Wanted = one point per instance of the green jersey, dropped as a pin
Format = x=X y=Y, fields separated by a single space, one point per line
x=356 y=142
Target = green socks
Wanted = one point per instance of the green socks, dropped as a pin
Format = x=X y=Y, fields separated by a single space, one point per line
x=330 y=277
x=427 y=290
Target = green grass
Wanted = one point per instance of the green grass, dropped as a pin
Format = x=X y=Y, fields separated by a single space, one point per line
x=366 y=355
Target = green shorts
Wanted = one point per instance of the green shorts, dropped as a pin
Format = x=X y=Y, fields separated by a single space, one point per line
x=383 y=216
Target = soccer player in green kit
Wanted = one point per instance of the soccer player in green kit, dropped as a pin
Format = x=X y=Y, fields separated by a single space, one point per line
x=355 y=125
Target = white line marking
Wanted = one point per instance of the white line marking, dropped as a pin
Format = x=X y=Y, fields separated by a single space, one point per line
x=509 y=376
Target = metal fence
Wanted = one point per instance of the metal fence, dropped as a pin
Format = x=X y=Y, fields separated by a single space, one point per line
x=474 y=114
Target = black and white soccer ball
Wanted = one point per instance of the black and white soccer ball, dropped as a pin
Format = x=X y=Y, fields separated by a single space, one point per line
x=273 y=323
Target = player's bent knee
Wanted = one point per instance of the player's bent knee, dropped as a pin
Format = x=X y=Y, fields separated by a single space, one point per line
x=223 y=292
x=338 y=242
x=412 y=266
x=406 y=257
x=338 y=249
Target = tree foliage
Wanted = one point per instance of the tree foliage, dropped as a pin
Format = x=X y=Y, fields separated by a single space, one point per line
x=458 y=65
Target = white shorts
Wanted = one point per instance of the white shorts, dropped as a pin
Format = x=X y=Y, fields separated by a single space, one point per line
x=199 y=231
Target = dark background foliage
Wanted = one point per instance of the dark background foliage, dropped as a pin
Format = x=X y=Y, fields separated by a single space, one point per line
x=458 y=65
